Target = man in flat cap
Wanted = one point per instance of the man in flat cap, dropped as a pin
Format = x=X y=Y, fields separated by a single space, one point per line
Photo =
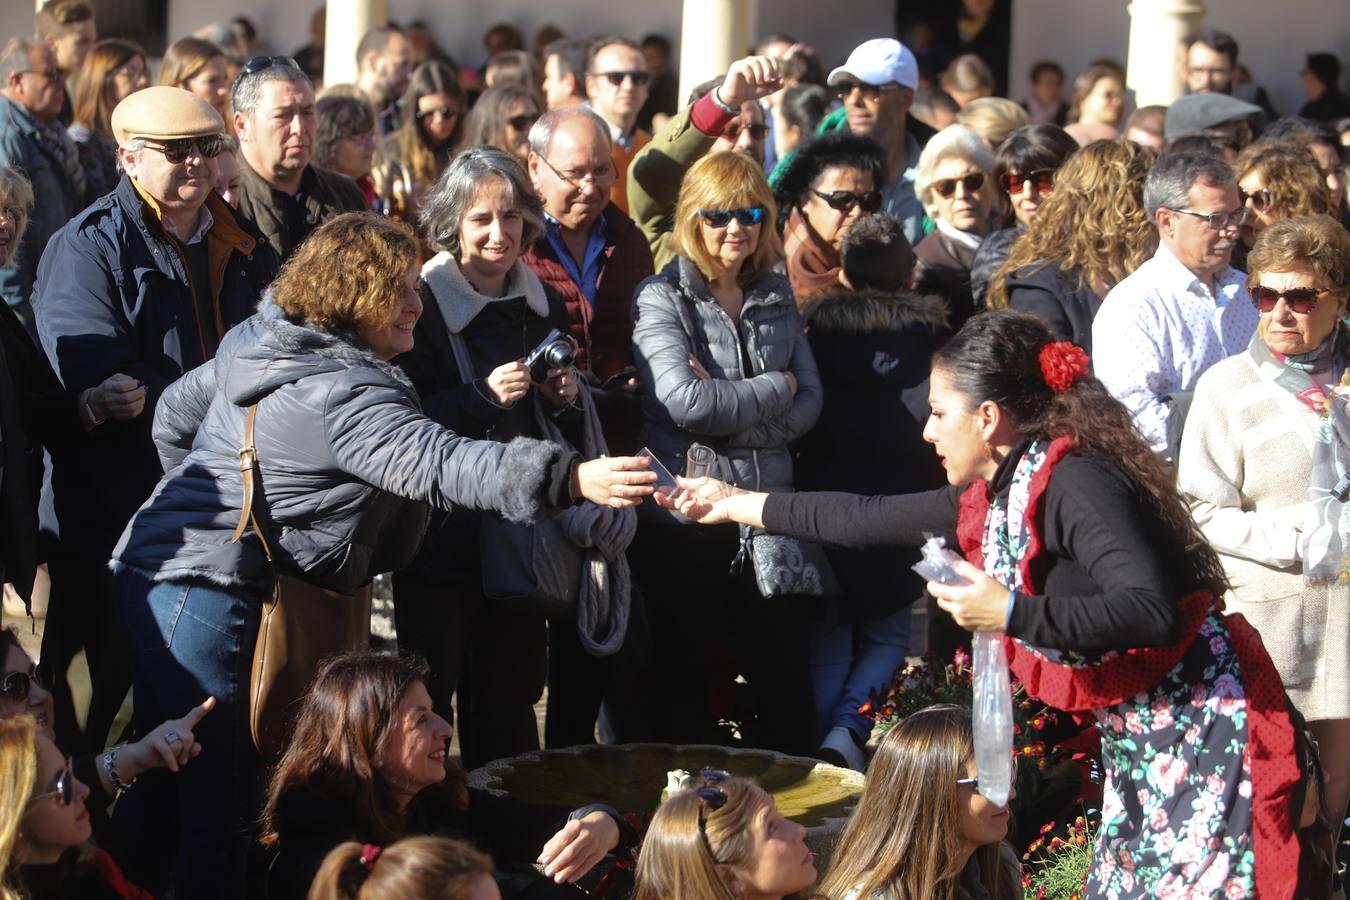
x=143 y=282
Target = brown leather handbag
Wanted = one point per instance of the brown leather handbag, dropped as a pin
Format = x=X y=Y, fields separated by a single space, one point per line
x=301 y=626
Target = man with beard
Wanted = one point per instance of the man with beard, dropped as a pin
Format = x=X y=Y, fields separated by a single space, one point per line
x=1183 y=310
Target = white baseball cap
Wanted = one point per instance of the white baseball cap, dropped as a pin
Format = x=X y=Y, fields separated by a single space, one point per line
x=879 y=61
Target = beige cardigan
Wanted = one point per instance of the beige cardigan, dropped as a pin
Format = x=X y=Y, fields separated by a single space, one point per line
x=1245 y=461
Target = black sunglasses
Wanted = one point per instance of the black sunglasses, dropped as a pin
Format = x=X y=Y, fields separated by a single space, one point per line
x=444 y=112
x=758 y=130
x=617 y=78
x=1016 y=182
x=259 y=63
x=1260 y=200
x=1301 y=300
x=947 y=186
x=65 y=787
x=523 y=123
x=869 y=91
x=177 y=151
x=721 y=218
x=843 y=201
x=15 y=686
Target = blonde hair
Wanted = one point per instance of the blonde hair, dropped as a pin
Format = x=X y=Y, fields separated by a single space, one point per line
x=1292 y=176
x=1318 y=242
x=692 y=852
x=349 y=272
x=726 y=180
x=415 y=868
x=1094 y=221
x=20 y=192
x=993 y=118
x=903 y=839
x=18 y=778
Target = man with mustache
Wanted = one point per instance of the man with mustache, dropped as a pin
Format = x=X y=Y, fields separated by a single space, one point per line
x=275 y=119
x=1183 y=310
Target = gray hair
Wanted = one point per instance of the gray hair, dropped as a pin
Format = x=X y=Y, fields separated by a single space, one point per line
x=960 y=141
x=135 y=145
x=450 y=197
x=14 y=57
x=1170 y=180
x=542 y=131
x=18 y=191
x=247 y=92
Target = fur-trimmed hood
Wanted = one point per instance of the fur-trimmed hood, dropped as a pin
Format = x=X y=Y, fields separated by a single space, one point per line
x=872 y=312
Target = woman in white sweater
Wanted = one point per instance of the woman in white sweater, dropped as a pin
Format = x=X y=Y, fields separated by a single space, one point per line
x=1265 y=452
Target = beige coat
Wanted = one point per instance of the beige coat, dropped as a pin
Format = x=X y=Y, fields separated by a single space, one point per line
x=1244 y=466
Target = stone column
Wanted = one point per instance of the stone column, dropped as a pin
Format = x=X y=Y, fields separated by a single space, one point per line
x=347 y=22
x=1157 y=28
x=715 y=33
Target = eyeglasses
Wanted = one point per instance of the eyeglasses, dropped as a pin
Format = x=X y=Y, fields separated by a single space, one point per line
x=1260 y=200
x=1016 y=182
x=65 y=787
x=600 y=177
x=12 y=213
x=721 y=218
x=759 y=131
x=133 y=71
x=15 y=686
x=1219 y=220
x=844 y=201
x=869 y=91
x=443 y=112
x=51 y=73
x=618 y=78
x=1301 y=300
x=259 y=63
x=947 y=186
x=209 y=146
x=523 y=123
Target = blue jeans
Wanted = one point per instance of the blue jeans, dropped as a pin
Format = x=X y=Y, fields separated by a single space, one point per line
x=188 y=642
x=850 y=660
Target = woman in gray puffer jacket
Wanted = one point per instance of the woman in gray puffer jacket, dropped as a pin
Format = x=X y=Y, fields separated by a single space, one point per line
x=348 y=468
x=723 y=361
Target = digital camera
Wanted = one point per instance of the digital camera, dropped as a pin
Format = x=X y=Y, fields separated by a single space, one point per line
x=555 y=351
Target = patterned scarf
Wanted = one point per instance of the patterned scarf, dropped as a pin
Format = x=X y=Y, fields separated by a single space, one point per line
x=1326 y=533
x=1005 y=527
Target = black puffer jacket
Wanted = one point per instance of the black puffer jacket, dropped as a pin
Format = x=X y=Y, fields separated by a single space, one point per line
x=873 y=352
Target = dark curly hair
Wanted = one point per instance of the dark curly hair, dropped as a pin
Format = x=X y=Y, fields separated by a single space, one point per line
x=838 y=148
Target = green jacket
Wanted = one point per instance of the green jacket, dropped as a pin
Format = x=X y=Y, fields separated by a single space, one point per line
x=654 y=178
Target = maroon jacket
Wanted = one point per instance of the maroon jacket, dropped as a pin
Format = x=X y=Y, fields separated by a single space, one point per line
x=604 y=334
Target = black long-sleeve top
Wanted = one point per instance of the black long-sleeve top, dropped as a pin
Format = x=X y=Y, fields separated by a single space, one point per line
x=1111 y=581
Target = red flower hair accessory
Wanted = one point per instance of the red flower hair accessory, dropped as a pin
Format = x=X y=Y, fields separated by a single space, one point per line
x=1062 y=364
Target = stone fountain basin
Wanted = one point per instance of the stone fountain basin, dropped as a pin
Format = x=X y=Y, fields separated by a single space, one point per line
x=631 y=778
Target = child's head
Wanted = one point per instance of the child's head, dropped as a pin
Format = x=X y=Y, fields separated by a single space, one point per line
x=415 y=868
x=723 y=841
x=876 y=255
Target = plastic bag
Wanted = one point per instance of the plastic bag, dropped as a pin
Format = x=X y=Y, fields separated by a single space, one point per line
x=991 y=704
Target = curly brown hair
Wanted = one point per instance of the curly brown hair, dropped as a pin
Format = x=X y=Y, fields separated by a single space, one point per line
x=1291 y=174
x=350 y=272
x=1093 y=222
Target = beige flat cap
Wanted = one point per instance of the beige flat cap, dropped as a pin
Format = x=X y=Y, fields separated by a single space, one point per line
x=164 y=113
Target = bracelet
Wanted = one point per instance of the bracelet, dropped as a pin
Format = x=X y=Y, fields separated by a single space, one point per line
x=1012 y=598
x=110 y=766
x=717 y=101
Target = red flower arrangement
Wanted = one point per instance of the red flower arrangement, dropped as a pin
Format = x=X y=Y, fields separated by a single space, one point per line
x=1062 y=364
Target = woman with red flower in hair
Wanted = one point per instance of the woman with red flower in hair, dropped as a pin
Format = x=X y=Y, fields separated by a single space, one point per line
x=1080 y=551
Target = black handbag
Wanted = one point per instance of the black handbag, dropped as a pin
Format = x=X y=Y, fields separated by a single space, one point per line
x=533 y=568
x=785 y=566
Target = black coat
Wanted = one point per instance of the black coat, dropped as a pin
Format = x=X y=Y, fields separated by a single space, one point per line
x=1057 y=298
x=873 y=351
x=114 y=294
x=287 y=220
x=944 y=270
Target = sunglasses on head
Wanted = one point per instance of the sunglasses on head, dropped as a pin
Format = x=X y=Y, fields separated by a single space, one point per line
x=617 y=78
x=947 y=186
x=179 y=150
x=759 y=131
x=1016 y=182
x=1301 y=300
x=15 y=686
x=259 y=63
x=721 y=218
x=65 y=787
x=444 y=112
x=523 y=123
x=1260 y=200
x=844 y=201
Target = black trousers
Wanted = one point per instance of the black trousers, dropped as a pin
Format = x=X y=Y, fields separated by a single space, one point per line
x=708 y=627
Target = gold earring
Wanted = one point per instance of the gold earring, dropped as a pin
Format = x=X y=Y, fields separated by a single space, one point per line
x=988 y=451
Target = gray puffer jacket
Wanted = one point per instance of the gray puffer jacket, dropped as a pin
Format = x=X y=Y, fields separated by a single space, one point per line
x=745 y=411
x=348 y=464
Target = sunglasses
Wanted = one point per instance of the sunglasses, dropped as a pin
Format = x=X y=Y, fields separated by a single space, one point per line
x=65 y=787
x=444 y=112
x=947 y=186
x=617 y=78
x=758 y=131
x=975 y=782
x=843 y=201
x=523 y=123
x=1016 y=182
x=15 y=686
x=721 y=218
x=179 y=150
x=259 y=63
x=1260 y=201
x=1301 y=300
x=869 y=91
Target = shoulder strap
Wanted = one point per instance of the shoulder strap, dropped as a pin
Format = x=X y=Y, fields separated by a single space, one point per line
x=248 y=468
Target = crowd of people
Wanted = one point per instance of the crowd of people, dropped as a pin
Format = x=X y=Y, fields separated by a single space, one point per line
x=649 y=402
